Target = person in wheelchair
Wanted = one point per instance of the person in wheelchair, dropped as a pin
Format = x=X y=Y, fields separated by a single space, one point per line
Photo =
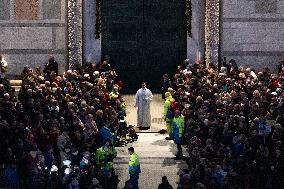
x=125 y=132
x=122 y=128
x=122 y=123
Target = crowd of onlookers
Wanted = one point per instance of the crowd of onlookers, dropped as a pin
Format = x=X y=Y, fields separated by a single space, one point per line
x=60 y=131
x=234 y=121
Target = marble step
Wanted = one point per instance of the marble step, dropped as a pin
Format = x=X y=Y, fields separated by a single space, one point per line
x=151 y=160
x=14 y=82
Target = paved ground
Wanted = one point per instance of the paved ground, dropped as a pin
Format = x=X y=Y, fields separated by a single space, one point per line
x=156 y=112
x=156 y=153
x=156 y=158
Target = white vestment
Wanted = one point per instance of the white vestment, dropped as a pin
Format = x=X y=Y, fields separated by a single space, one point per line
x=3 y=68
x=143 y=100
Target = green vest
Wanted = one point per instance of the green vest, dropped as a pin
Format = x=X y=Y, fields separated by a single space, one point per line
x=167 y=105
x=113 y=95
x=104 y=158
x=123 y=106
x=134 y=164
x=178 y=124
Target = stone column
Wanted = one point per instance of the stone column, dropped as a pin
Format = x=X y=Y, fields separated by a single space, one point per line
x=212 y=31
x=195 y=43
x=92 y=46
x=74 y=20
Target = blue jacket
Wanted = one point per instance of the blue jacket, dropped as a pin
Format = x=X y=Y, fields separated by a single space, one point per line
x=12 y=177
x=178 y=127
x=134 y=164
x=105 y=134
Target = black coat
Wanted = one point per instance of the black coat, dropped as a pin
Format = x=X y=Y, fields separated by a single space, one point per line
x=51 y=66
x=165 y=185
x=166 y=84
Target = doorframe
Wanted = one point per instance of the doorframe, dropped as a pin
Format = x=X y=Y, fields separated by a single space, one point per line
x=212 y=39
x=96 y=52
x=75 y=32
x=204 y=44
x=83 y=34
x=220 y=33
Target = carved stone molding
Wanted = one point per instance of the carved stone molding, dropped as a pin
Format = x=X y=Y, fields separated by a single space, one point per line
x=74 y=23
x=212 y=31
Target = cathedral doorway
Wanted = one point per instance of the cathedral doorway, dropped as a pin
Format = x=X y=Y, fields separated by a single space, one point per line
x=143 y=38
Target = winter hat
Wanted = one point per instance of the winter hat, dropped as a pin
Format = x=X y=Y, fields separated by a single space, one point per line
x=242 y=75
x=256 y=119
x=187 y=106
x=67 y=97
x=67 y=162
x=95 y=181
x=6 y=95
x=74 y=184
x=167 y=94
x=54 y=168
x=279 y=91
x=96 y=73
x=223 y=69
x=199 y=99
x=274 y=93
x=83 y=104
x=248 y=70
x=187 y=61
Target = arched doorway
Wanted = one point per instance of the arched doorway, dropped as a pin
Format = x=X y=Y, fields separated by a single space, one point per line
x=143 y=38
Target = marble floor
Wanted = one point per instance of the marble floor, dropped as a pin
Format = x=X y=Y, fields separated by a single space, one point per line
x=156 y=108
x=156 y=159
x=156 y=153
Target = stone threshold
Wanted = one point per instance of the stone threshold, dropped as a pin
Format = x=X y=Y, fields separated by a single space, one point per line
x=151 y=160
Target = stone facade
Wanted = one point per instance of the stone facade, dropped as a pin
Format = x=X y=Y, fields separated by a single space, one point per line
x=212 y=31
x=75 y=33
x=92 y=46
x=252 y=32
x=26 y=10
x=32 y=30
x=195 y=44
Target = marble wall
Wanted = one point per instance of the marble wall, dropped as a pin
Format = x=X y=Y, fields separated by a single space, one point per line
x=252 y=32
x=26 y=10
x=31 y=30
x=92 y=46
x=195 y=44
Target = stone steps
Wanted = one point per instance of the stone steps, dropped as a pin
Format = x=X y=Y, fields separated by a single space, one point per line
x=16 y=84
x=156 y=159
x=157 y=122
x=166 y=161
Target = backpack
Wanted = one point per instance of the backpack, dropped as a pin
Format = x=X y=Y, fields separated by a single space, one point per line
x=171 y=111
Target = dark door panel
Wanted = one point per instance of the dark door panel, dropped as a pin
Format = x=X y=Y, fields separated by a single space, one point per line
x=144 y=38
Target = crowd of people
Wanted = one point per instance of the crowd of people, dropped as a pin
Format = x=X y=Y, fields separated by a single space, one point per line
x=231 y=123
x=61 y=131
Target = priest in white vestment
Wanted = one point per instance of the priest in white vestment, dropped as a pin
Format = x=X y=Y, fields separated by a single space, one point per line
x=143 y=100
x=3 y=68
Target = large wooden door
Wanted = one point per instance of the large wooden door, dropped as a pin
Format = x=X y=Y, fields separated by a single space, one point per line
x=144 y=38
